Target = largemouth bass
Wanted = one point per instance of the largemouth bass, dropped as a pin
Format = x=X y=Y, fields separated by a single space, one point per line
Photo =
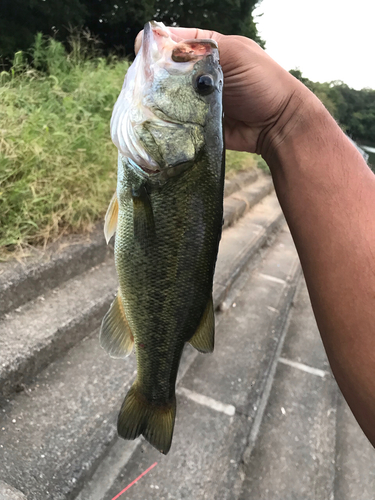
x=167 y=214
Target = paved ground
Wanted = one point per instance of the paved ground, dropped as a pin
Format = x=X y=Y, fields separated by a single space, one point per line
x=304 y=444
x=259 y=419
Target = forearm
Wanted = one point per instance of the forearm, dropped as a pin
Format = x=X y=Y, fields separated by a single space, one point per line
x=327 y=193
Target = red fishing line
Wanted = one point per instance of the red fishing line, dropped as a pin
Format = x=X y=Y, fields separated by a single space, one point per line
x=135 y=480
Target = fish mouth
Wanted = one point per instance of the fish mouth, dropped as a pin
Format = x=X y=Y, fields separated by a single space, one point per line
x=158 y=52
x=157 y=41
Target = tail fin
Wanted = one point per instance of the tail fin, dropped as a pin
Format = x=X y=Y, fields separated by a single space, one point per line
x=139 y=416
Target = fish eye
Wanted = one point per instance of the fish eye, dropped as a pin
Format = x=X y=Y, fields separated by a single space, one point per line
x=204 y=84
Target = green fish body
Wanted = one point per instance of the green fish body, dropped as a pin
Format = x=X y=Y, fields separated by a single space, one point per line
x=169 y=209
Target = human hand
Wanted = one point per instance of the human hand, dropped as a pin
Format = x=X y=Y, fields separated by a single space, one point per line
x=259 y=95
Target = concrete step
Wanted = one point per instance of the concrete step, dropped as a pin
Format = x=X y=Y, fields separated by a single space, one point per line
x=35 y=334
x=55 y=433
x=241 y=242
x=38 y=332
x=239 y=180
x=309 y=445
x=45 y=270
x=236 y=205
x=219 y=396
x=293 y=454
x=21 y=282
x=59 y=427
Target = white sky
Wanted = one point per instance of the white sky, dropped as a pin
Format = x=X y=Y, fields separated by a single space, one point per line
x=326 y=39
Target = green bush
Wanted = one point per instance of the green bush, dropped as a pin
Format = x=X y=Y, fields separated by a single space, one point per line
x=57 y=162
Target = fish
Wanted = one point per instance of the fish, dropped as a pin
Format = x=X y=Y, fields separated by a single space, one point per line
x=167 y=215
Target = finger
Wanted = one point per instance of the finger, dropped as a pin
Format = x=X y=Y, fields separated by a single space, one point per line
x=179 y=34
x=190 y=33
x=177 y=37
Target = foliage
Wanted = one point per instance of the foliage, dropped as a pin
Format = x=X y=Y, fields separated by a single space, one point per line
x=353 y=109
x=117 y=22
x=357 y=113
x=57 y=162
x=20 y=20
x=239 y=160
x=261 y=163
x=230 y=17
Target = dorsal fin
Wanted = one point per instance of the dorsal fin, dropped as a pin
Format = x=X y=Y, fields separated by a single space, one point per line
x=110 y=222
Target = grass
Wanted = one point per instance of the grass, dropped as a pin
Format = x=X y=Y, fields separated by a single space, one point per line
x=57 y=162
x=238 y=160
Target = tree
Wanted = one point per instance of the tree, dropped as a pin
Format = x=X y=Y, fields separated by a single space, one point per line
x=117 y=22
x=20 y=20
x=353 y=109
x=231 y=17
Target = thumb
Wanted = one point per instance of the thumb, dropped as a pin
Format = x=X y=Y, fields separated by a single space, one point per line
x=179 y=34
x=191 y=33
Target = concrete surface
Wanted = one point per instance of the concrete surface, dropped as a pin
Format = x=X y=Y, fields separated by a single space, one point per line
x=24 y=281
x=35 y=334
x=239 y=181
x=241 y=242
x=7 y=492
x=59 y=428
x=236 y=205
x=309 y=446
x=294 y=455
x=209 y=441
x=53 y=432
x=246 y=342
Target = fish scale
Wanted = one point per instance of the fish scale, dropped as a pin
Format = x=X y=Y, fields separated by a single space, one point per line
x=169 y=211
x=180 y=262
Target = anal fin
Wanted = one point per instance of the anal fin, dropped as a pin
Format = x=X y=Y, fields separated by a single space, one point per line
x=110 y=223
x=203 y=338
x=115 y=335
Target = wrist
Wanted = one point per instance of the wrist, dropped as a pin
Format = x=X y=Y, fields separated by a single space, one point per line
x=303 y=124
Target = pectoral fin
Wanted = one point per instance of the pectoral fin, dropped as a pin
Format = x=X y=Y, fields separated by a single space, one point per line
x=203 y=339
x=143 y=217
x=115 y=335
x=111 y=216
